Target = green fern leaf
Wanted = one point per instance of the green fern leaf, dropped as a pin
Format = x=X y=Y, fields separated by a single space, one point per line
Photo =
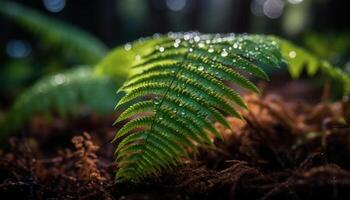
x=69 y=39
x=180 y=85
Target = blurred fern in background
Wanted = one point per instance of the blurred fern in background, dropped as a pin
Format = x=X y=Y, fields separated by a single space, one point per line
x=64 y=95
x=67 y=38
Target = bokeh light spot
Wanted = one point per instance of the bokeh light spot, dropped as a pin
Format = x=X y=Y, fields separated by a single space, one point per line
x=54 y=5
x=273 y=8
x=18 y=49
x=176 y=5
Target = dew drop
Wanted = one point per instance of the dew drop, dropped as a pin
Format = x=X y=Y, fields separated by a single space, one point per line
x=292 y=54
x=156 y=100
x=127 y=46
x=190 y=50
x=224 y=53
x=210 y=50
x=201 y=45
x=161 y=49
x=201 y=68
x=59 y=79
x=235 y=45
x=156 y=35
x=197 y=38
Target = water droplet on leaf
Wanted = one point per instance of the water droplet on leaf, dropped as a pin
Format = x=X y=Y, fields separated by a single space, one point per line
x=292 y=54
x=137 y=57
x=224 y=53
x=127 y=46
x=197 y=38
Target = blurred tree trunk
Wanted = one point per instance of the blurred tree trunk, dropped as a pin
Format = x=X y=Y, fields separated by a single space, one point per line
x=331 y=15
x=195 y=10
x=240 y=16
x=107 y=20
x=159 y=16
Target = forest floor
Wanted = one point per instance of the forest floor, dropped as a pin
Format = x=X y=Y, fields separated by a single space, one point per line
x=286 y=148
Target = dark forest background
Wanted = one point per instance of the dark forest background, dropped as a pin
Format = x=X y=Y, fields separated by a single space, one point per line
x=23 y=59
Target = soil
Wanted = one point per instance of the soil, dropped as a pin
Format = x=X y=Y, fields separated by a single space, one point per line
x=284 y=149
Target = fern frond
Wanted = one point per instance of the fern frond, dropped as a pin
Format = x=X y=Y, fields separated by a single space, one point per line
x=69 y=39
x=300 y=59
x=63 y=95
x=180 y=85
